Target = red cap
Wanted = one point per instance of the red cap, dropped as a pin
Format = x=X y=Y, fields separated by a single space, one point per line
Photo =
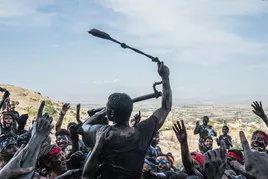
x=232 y=154
x=264 y=136
x=199 y=157
x=55 y=150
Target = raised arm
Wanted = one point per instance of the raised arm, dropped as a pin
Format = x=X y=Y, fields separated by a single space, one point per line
x=187 y=161
x=27 y=157
x=93 y=160
x=5 y=96
x=64 y=110
x=93 y=123
x=78 y=114
x=163 y=112
x=196 y=130
x=258 y=110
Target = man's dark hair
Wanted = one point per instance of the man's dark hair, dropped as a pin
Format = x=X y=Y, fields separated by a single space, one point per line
x=63 y=132
x=226 y=127
x=205 y=117
x=119 y=107
x=208 y=137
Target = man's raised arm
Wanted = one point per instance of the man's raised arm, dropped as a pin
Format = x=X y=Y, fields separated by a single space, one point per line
x=93 y=123
x=163 y=112
x=258 y=110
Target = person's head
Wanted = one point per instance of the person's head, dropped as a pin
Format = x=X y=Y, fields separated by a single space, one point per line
x=198 y=160
x=205 y=120
x=62 y=138
x=54 y=161
x=156 y=139
x=164 y=162
x=208 y=142
x=8 y=148
x=259 y=141
x=12 y=106
x=225 y=130
x=235 y=154
x=7 y=120
x=70 y=124
x=119 y=108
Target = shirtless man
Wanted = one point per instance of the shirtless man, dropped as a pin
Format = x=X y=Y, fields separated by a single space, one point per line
x=127 y=143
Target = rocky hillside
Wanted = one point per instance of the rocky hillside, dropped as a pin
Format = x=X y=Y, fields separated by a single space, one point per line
x=27 y=102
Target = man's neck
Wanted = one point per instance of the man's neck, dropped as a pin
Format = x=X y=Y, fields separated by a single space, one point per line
x=123 y=125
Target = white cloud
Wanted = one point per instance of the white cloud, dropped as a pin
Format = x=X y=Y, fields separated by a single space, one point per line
x=17 y=8
x=192 y=31
x=102 y=82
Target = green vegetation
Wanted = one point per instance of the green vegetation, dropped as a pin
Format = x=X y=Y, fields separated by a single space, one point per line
x=31 y=111
x=49 y=108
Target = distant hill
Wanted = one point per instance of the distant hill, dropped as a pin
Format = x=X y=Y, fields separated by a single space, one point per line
x=28 y=103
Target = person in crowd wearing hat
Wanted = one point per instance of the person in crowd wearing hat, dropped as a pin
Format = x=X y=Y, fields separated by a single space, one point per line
x=259 y=141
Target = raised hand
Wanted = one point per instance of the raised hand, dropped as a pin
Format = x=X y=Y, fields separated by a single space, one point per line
x=136 y=119
x=40 y=109
x=258 y=110
x=180 y=131
x=78 y=114
x=43 y=125
x=65 y=108
x=215 y=162
x=255 y=162
x=163 y=70
x=6 y=95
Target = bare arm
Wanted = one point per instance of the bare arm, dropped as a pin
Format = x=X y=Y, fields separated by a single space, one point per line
x=93 y=123
x=258 y=110
x=5 y=96
x=65 y=108
x=26 y=158
x=78 y=114
x=181 y=135
x=196 y=130
x=93 y=160
x=163 y=112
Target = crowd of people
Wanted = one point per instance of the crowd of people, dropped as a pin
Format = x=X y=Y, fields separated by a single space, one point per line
x=108 y=145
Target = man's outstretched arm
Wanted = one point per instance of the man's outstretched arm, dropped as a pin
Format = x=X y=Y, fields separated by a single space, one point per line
x=64 y=110
x=163 y=112
x=93 y=123
x=258 y=110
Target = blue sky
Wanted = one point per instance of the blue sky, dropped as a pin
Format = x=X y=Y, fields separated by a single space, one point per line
x=214 y=49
